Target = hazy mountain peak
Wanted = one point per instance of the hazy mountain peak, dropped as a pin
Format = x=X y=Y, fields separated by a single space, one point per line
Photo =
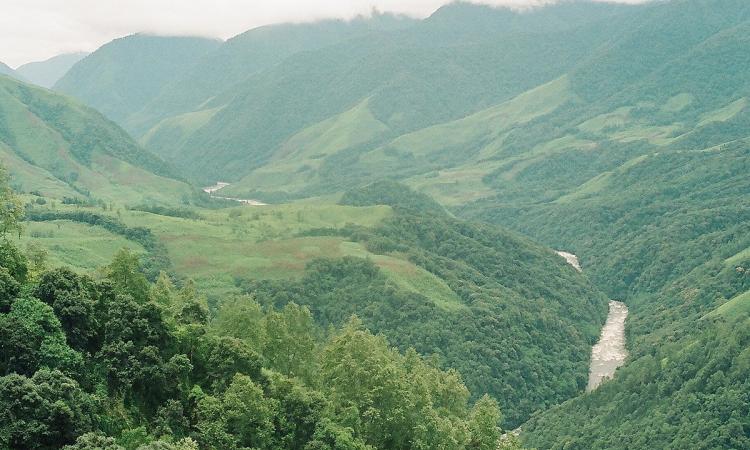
x=46 y=73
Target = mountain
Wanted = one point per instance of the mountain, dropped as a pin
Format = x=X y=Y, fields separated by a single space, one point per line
x=249 y=53
x=5 y=70
x=46 y=73
x=57 y=147
x=677 y=250
x=122 y=76
x=405 y=80
x=240 y=103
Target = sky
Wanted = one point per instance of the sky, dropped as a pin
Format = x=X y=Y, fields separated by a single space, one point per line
x=34 y=30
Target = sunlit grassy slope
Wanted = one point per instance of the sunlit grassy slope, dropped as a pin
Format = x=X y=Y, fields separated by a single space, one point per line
x=248 y=242
x=80 y=246
x=57 y=147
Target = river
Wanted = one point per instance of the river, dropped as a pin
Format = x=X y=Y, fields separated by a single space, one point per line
x=211 y=190
x=609 y=353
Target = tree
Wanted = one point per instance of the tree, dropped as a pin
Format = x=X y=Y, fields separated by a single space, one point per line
x=45 y=411
x=162 y=291
x=9 y=289
x=73 y=297
x=224 y=357
x=290 y=347
x=241 y=317
x=31 y=337
x=13 y=261
x=94 y=441
x=126 y=276
x=11 y=207
x=483 y=424
x=249 y=415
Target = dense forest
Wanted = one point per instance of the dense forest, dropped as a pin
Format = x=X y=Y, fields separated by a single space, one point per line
x=519 y=328
x=115 y=362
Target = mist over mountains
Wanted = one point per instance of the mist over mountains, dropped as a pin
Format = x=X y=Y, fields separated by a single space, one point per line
x=417 y=177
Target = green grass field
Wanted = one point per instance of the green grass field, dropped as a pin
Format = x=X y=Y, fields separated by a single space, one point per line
x=735 y=307
x=247 y=242
x=79 y=246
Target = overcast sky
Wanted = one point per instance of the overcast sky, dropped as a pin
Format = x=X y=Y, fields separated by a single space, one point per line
x=33 y=30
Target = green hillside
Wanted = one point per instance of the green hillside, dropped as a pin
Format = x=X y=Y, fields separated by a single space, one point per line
x=465 y=293
x=59 y=148
x=419 y=174
x=407 y=79
x=109 y=360
x=245 y=55
x=46 y=73
x=122 y=76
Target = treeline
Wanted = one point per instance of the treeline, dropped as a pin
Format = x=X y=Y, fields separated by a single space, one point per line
x=157 y=259
x=119 y=363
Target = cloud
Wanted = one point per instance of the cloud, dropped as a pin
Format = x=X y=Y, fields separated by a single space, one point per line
x=32 y=30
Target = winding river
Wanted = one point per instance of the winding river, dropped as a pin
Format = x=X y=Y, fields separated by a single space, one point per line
x=609 y=353
x=211 y=190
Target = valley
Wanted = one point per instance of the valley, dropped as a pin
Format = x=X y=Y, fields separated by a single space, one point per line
x=420 y=228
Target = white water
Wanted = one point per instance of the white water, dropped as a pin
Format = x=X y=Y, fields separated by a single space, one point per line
x=221 y=185
x=571 y=259
x=609 y=353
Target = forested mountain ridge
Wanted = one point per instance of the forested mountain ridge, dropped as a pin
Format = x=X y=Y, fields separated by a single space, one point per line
x=499 y=284
x=56 y=147
x=508 y=54
x=538 y=145
x=120 y=77
x=142 y=366
x=118 y=363
x=244 y=55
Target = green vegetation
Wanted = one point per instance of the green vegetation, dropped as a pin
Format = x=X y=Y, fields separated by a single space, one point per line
x=57 y=147
x=618 y=133
x=496 y=283
x=122 y=76
x=398 y=255
x=116 y=362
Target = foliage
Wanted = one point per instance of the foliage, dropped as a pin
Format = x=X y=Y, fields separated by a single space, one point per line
x=501 y=282
x=117 y=363
x=392 y=194
x=158 y=259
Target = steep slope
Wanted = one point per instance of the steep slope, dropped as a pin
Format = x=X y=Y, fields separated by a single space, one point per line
x=644 y=178
x=408 y=78
x=123 y=75
x=510 y=315
x=57 y=147
x=249 y=53
x=548 y=141
x=46 y=73
x=518 y=323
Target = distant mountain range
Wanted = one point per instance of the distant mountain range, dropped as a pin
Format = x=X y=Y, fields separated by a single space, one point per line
x=46 y=73
x=6 y=70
